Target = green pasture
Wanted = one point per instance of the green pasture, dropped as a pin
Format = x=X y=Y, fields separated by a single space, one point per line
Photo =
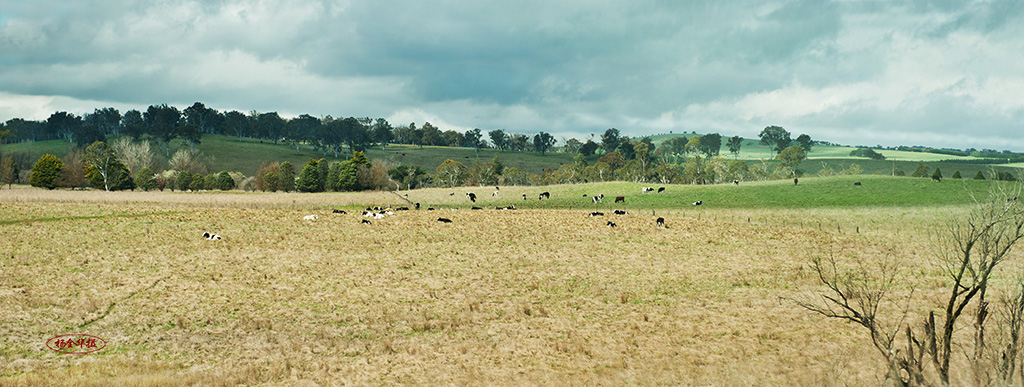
x=818 y=192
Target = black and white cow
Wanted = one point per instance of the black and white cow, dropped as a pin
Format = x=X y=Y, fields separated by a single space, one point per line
x=646 y=189
x=598 y=198
x=620 y=212
x=699 y=202
x=544 y=195
x=596 y=213
x=212 y=237
x=661 y=222
x=365 y=222
x=471 y=196
x=337 y=211
x=611 y=224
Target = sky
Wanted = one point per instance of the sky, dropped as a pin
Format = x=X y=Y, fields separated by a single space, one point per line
x=856 y=72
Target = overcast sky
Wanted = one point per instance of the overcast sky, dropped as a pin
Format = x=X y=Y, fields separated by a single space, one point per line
x=935 y=73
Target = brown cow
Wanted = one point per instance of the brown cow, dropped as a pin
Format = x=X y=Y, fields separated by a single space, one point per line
x=620 y=199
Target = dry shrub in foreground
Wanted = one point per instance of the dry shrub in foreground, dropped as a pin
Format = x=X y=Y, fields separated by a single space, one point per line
x=969 y=249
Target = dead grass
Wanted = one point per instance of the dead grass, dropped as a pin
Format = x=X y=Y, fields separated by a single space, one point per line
x=497 y=297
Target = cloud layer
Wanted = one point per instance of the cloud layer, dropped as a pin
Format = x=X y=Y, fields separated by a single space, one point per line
x=846 y=71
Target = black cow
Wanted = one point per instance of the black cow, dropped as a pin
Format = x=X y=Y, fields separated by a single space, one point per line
x=936 y=178
x=596 y=213
x=620 y=212
x=337 y=211
x=444 y=220
x=661 y=222
x=620 y=199
x=476 y=208
x=471 y=196
x=544 y=195
x=417 y=206
x=857 y=183
x=796 y=181
x=661 y=189
x=366 y=222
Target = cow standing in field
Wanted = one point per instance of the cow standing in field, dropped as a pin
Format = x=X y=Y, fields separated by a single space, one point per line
x=661 y=189
x=471 y=196
x=796 y=181
x=736 y=182
x=661 y=222
x=620 y=199
x=544 y=195
x=646 y=189
x=598 y=198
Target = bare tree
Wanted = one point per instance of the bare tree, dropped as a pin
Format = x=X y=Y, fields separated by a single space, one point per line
x=135 y=155
x=970 y=248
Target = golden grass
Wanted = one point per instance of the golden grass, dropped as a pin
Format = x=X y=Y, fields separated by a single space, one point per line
x=497 y=297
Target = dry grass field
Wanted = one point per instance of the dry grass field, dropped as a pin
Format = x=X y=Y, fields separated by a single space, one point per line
x=525 y=297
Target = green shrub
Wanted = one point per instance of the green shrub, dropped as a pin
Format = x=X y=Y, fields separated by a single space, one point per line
x=45 y=171
x=225 y=182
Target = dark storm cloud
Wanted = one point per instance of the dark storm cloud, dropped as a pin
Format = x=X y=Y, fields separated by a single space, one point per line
x=829 y=69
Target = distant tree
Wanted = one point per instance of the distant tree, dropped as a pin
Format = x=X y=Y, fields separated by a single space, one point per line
x=348 y=177
x=408 y=176
x=642 y=156
x=286 y=177
x=103 y=161
x=805 y=142
x=162 y=122
x=431 y=135
x=937 y=174
x=383 y=133
x=269 y=126
x=359 y=159
x=301 y=129
x=183 y=180
x=135 y=155
x=791 y=157
x=210 y=182
x=93 y=128
x=118 y=178
x=710 y=144
x=613 y=160
x=145 y=179
x=610 y=140
x=921 y=171
x=309 y=179
x=474 y=138
x=979 y=176
x=190 y=134
x=499 y=168
x=573 y=146
x=132 y=124
x=867 y=152
x=7 y=170
x=188 y=160
x=956 y=175
x=499 y=139
x=224 y=181
x=1007 y=176
x=451 y=173
x=201 y=117
x=66 y=126
x=270 y=182
x=519 y=142
x=734 y=144
x=542 y=142
x=107 y=120
x=626 y=148
x=775 y=137
x=452 y=138
x=588 y=148
x=238 y=123
x=323 y=168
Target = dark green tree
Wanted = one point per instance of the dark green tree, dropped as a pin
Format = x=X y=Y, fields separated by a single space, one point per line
x=542 y=142
x=183 y=180
x=383 y=133
x=309 y=179
x=499 y=139
x=921 y=171
x=270 y=182
x=610 y=140
x=145 y=179
x=102 y=159
x=190 y=134
x=937 y=174
x=588 y=148
x=359 y=158
x=710 y=144
x=132 y=124
x=499 y=168
x=791 y=157
x=805 y=142
x=956 y=175
x=775 y=137
x=45 y=171
x=323 y=168
x=734 y=144
x=348 y=176
x=224 y=181
x=286 y=177
x=979 y=176
x=162 y=123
